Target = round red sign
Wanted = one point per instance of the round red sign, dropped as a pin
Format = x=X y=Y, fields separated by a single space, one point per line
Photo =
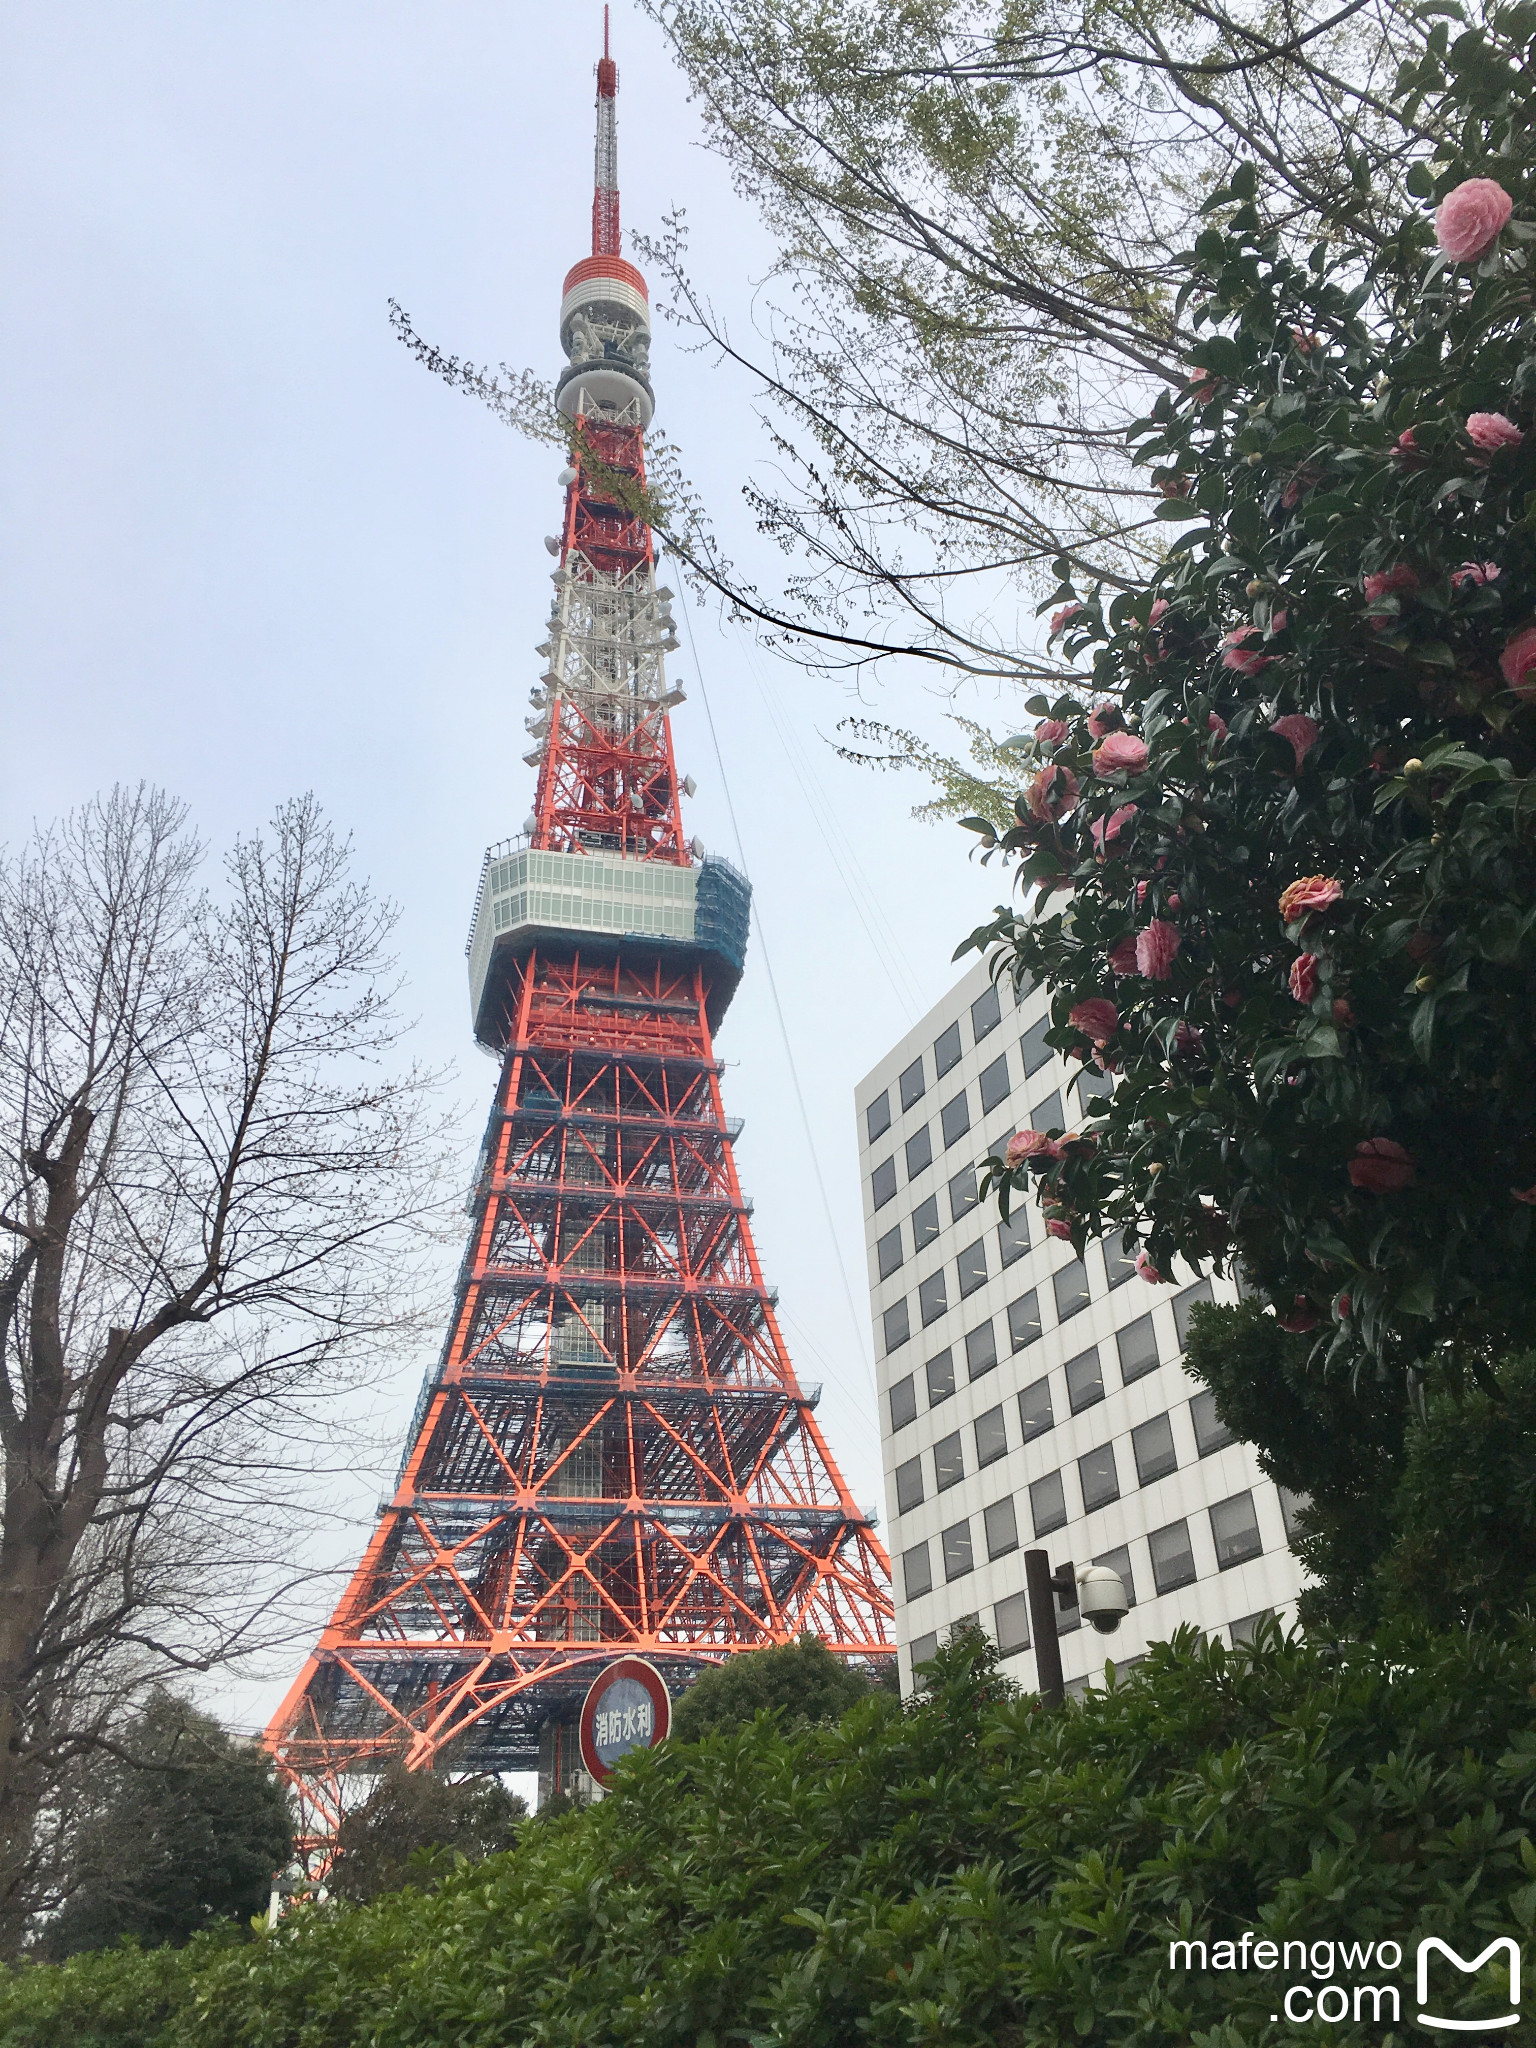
x=627 y=1707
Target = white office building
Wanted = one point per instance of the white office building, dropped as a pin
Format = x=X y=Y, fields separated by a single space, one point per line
x=1029 y=1397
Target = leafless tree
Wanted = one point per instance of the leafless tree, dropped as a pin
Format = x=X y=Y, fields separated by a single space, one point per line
x=217 y=1173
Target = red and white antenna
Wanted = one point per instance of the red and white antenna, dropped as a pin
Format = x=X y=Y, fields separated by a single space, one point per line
x=605 y=196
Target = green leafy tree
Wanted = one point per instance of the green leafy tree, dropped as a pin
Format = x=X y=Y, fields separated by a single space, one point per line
x=184 y=1826
x=1280 y=846
x=799 y=1683
x=415 y=1825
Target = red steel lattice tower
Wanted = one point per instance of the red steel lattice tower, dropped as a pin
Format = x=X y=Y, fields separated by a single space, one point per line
x=613 y=1455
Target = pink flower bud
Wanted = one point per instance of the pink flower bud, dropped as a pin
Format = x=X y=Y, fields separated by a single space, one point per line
x=1517 y=663
x=1304 y=977
x=1050 y=732
x=1217 y=726
x=1470 y=219
x=1148 y=1271
x=1158 y=611
x=1380 y=1166
x=1247 y=661
x=1299 y=1318
x=1061 y=618
x=1106 y=831
x=1301 y=731
x=1025 y=1145
x=1343 y=1014
x=1471 y=574
x=1388 y=582
x=1056 y=1228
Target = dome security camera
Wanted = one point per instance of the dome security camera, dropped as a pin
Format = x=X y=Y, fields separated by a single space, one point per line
x=1101 y=1597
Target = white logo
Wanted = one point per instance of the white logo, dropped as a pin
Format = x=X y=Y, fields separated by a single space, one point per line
x=1507 y=1942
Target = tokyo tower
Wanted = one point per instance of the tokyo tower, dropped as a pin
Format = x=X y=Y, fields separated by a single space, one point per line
x=613 y=1455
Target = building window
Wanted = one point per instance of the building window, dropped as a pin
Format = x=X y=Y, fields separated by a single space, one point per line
x=1092 y=1086
x=917 y=1571
x=962 y=1194
x=946 y=1051
x=1034 y=1048
x=1119 y=1266
x=888 y=1252
x=882 y=1182
x=877 y=1118
x=941 y=1377
x=1024 y=1320
x=912 y=1084
x=1173 y=1562
x=903 y=1402
x=909 y=1486
x=1291 y=1505
x=955 y=1118
x=1245 y=1630
x=991 y=1437
x=1152 y=1447
x=994 y=1083
x=919 y=1152
x=1010 y=1624
x=986 y=1013
x=1100 y=1480
x=948 y=1461
x=924 y=1650
x=1211 y=1433
x=1048 y=1115
x=957 y=1553
x=1137 y=1346
x=1035 y=1409
x=980 y=1349
x=1085 y=1380
x=1013 y=1236
x=898 y=1327
x=1048 y=1504
x=925 y=1223
x=1071 y=1285
x=1119 y=1562
x=931 y=1298
x=1002 y=1527
x=971 y=1265
x=1183 y=1303
x=1235 y=1527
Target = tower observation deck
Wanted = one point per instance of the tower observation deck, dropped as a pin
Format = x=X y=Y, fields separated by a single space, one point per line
x=613 y=1455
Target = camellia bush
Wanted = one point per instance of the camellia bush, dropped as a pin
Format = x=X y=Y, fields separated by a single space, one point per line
x=1278 y=856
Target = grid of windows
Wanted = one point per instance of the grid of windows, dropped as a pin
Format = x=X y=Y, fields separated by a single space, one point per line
x=955 y=1119
x=991 y=1436
x=903 y=1403
x=924 y=1650
x=971 y=1266
x=1002 y=1527
x=948 y=1461
x=1099 y=1478
x=1291 y=1505
x=980 y=1349
x=897 y=1326
x=1024 y=1320
x=1034 y=1048
x=932 y=1300
x=1010 y=1624
x=1048 y=1115
x=1035 y=1409
x=909 y=1485
x=917 y=1571
x=1235 y=1526
x=1071 y=1285
x=946 y=1050
x=919 y=1151
x=957 y=1553
x=925 y=1223
x=882 y=1183
x=877 y=1118
x=1152 y=1448
x=1211 y=1433
x=1085 y=1380
x=1013 y=1237
x=1048 y=1504
x=1183 y=1302
x=994 y=1083
x=986 y=1013
x=941 y=1377
x=1119 y=1266
x=1119 y=1562
x=888 y=1252
x=963 y=1196
x=1137 y=1346
x=1173 y=1561
x=911 y=1084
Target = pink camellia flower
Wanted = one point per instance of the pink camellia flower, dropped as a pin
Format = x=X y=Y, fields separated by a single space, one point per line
x=1097 y=1018
x=1159 y=610
x=1175 y=901
x=1298 y=1318
x=1492 y=431
x=1469 y=220
x=1312 y=892
x=1026 y=1145
x=1120 y=750
x=1186 y=1040
x=1217 y=726
x=1278 y=621
x=1148 y=1271
x=1105 y=718
x=1122 y=957
x=1203 y=384
x=1343 y=1014
x=1056 y=1228
x=1343 y=1308
x=1246 y=660
x=1106 y=831
x=1380 y=1166
x=1304 y=977
x=1527 y=1195
x=1517 y=664
x=1387 y=582
x=1050 y=732
x=1155 y=948
x=1301 y=731
x=1063 y=617
x=1052 y=793
x=1471 y=574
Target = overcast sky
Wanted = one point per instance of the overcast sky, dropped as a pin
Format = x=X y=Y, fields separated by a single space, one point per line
x=250 y=548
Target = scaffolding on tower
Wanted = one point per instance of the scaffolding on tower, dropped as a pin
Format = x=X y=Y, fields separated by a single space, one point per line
x=613 y=1455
